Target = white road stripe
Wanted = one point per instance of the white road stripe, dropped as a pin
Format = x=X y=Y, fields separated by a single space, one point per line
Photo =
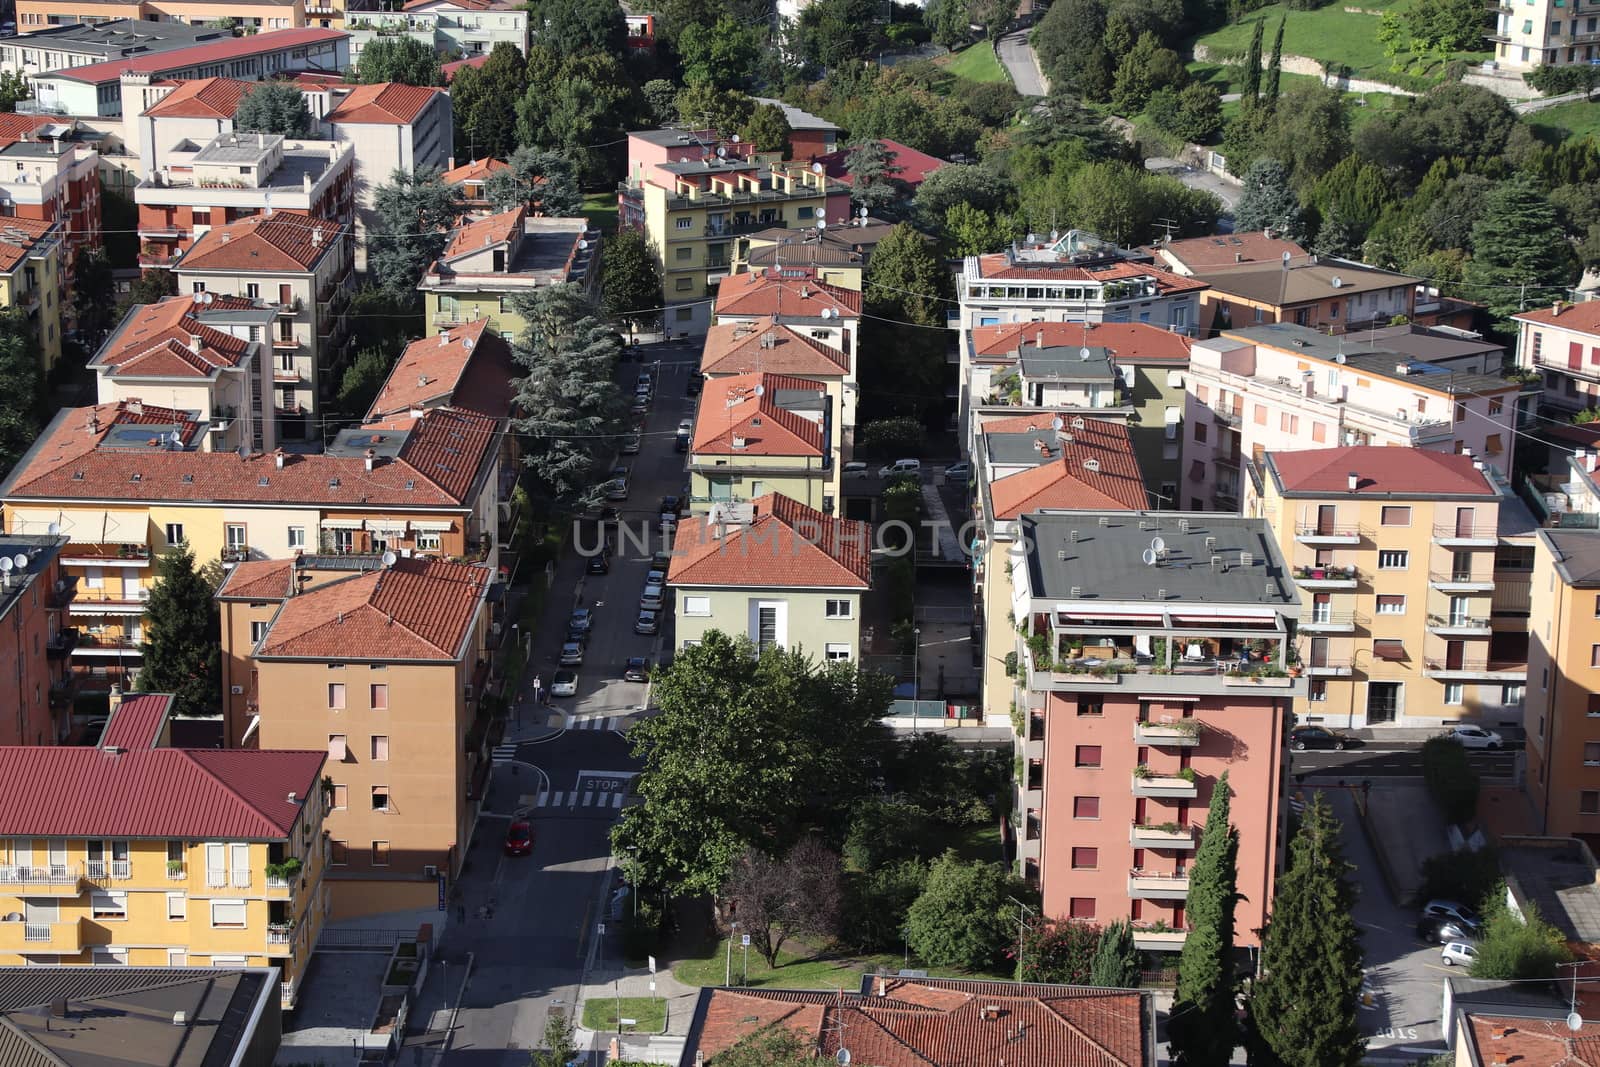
x=588 y=797
x=616 y=800
x=544 y=798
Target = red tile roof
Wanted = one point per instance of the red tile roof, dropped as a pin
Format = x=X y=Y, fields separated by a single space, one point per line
x=913 y=166
x=452 y=69
x=437 y=466
x=1063 y=481
x=1531 y=1042
x=996 y=265
x=468 y=367
x=938 y=1023
x=19 y=236
x=1581 y=318
x=201 y=54
x=477 y=170
x=204 y=794
x=743 y=347
x=731 y=408
x=285 y=241
x=1380 y=471
x=414 y=610
x=486 y=232
x=765 y=293
x=1136 y=342
x=14 y=128
x=384 y=104
x=159 y=341
x=202 y=98
x=136 y=722
x=1204 y=253
x=258 y=579
x=787 y=545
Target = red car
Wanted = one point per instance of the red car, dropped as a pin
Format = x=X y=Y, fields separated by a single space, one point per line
x=519 y=839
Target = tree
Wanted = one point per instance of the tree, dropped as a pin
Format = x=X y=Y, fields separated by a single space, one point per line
x=1267 y=201
x=1058 y=951
x=1336 y=238
x=93 y=296
x=1521 y=256
x=415 y=211
x=630 y=279
x=13 y=87
x=274 y=107
x=398 y=59
x=995 y=16
x=970 y=231
x=1194 y=113
x=1274 y=68
x=878 y=902
x=1309 y=134
x=971 y=184
x=1148 y=66
x=768 y=129
x=569 y=400
x=723 y=55
x=1445 y=26
x=579 y=105
x=484 y=100
x=559 y=1048
x=905 y=279
x=573 y=27
x=1451 y=780
x=747 y=752
x=148 y=288
x=1070 y=43
x=798 y=896
x=1357 y=191
x=1518 y=947
x=703 y=107
x=1451 y=120
x=917 y=117
x=22 y=401
x=959 y=920
x=831 y=33
x=1201 y=1025
x=1116 y=958
x=362 y=380
x=871 y=167
x=1250 y=87
x=906 y=290
x=545 y=179
x=893 y=437
x=950 y=22
x=182 y=646
x=1302 y=1007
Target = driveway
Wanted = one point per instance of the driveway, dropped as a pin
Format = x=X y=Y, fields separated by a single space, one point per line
x=1016 y=54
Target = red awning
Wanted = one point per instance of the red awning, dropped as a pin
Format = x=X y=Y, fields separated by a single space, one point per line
x=1389 y=650
x=1253 y=620
x=1114 y=616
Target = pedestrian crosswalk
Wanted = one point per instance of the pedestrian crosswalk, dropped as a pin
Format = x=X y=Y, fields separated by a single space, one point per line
x=504 y=753
x=579 y=798
x=598 y=722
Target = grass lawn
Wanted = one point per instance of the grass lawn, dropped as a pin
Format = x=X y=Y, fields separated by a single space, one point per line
x=601 y=211
x=977 y=63
x=979 y=842
x=1577 y=119
x=649 y=1013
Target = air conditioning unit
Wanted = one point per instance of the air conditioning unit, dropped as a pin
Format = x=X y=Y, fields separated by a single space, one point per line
x=430 y=871
x=236 y=690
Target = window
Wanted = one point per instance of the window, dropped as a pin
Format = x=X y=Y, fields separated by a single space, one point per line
x=1455 y=693
x=684 y=223
x=683 y=285
x=338 y=748
x=177 y=957
x=258 y=630
x=1091 y=707
x=1085 y=807
x=1317 y=692
x=174 y=532
x=1591 y=753
x=380 y=853
x=338 y=852
x=234 y=533
x=837 y=609
x=1085 y=859
x=228 y=914
x=380 y=747
x=427 y=542
x=380 y=696
x=108 y=904
x=1594 y=655
x=95 y=578
x=1511 y=694
x=697 y=605
x=683 y=254
x=1589 y=802
x=1396 y=516
x=1498 y=405
x=1492 y=445
x=177 y=907
x=341 y=797
x=336 y=696
x=297 y=537
x=1200 y=432
x=766 y=626
x=1088 y=756
x=1391 y=605
x=1394 y=651
x=1393 y=559
x=836 y=652
x=1080 y=908
x=683 y=314
x=380 y=798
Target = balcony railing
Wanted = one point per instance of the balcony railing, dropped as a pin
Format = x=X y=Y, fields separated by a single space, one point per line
x=110 y=642
x=1327 y=577
x=107 y=870
x=1164 y=786
x=1464 y=578
x=280 y=933
x=1333 y=620
x=1152 y=938
x=286 y=994
x=1458 y=622
x=216 y=877
x=235 y=553
x=59 y=874
x=1163 y=835
x=1475 y=666
x=178 y=873
x=1320 y=531
x=1181 y=733
x=290 y=307
x=1450 y=531
x=1157 y=885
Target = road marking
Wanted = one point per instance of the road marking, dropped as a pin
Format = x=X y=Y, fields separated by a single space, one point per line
x=616 y=800
x=588 y=797
x=504 y=753
x=555 y=798
x=544 y=798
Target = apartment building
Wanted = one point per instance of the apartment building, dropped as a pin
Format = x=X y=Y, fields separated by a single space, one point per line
x=1563 y=743
x=822 y=311
x=837 y=255
x=810 y=135
x=392 y=127
x=693 y=203
x=1189 y=256
x=1414 y=568
x=749 y=346
x=77 y=44
x=470 y=27
x=756 y=434
x=469 y=368
x=1331 y=295
x=1543 y=34
x=776 y=571
x=33 y=601
x=491 y=260
x=49 y=172
x=385 y=668
x=1561 y=343
x=252 y=16
x=1075 y=277
x=32 y=278
x=302 y=266
x=137 y=853
x=1154 y=658
x=1282 y=387
x=471 y=180
x=96 y=89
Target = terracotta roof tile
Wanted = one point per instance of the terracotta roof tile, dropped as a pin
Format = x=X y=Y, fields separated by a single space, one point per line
x=1379 y=470
x=1204 y=253
x=158 y=340
x=414 y=610
x=258 y=579
x=136 y=722
x=913 y=166
x=1580 y=318
x=996 y=265
x=744 y=347
x=158 y=63
x=285 y=241
x=450 y=70
x=767 y=293
x=731 y=408
x=1531 y=1042
x=14 y=128
x=202 y=98
x=787 y=545
x=485 y=232
x=477 y=170
x=19 y=236
x=386 y=104
x=467 y=367
x=1063 y=481
x=1135 y=342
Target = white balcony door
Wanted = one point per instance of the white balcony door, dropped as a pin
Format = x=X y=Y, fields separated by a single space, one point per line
x=22 y=851
x=216 y=865
x=1458 y=610
x=58 y=855
x=239 y=869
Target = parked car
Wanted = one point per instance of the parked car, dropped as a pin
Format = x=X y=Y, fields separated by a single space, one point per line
x=519 y=838
x=599 y=563
x=1451 y=910
x=958 y=471
x=581 y=619
x=577 y=636
x=854 y=469
x=901 y=466
x=648 y=622
x=655 y=576
x=1461 y=952
x=661 y=561
x=617 y=487
x=641 y=403
x=571 y=654
x=646 y=383
x=1474 y=737
x=652 y=597
x=637 y=669
x=1437 y=931
x=670 y=505
x=631 y=444
x=564 y=684
x=1304 y=737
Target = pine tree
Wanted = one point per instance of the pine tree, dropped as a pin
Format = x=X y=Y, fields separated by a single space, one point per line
x=182 y=636
x=1116 y=958
x=1250 y=88
x=1201 y=1026
x=1302 y=1009
x=630 y=279
x=1335 y=238
x=872 y=183
x=274 y=107
x=1274 y=69
x=1521 y=256
x=1268 y=201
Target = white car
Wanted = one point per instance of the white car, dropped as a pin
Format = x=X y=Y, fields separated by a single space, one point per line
x=1458 y=952
x=958 y=471
x=1475 y=737
x=564 y=684
x=901 y=466
x=651 y=598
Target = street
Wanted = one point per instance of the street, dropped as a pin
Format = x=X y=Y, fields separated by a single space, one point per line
x=1391 y=759
x=1017 y=57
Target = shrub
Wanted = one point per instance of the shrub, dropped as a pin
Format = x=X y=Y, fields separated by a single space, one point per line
x=1513 y=948
x=1451 y=781
x=1462 y=875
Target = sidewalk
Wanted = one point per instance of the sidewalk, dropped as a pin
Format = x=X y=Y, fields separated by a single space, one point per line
x=527 y=720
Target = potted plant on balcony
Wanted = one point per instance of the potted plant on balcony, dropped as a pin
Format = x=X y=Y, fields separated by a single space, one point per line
x=1141 y=771
x=1187 y=774
x=286 y=871
x=174 y=867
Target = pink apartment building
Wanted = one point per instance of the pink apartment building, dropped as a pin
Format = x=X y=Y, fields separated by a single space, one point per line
x=1280 y=388
x=1167 y=636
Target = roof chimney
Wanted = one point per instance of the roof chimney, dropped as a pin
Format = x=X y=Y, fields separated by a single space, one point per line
x=370 y=457
x=316 y=236
x=1355 y=480
x=883 y=987
x=277 y=458
x=1555 y=309
x=1038 y=338
x=194 y=343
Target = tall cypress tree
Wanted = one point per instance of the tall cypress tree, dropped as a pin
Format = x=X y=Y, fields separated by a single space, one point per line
x=1250 y=90
x=1201 y=1027
x=1116 y=958
x=1270 y=93
x=1303 y=1006
x=182 y=647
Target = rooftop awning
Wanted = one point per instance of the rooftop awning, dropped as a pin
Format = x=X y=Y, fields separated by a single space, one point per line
x=342 y=524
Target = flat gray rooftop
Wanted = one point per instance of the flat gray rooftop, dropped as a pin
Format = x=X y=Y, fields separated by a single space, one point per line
x=247 y=148
x=1561 y=882
x=1421 y=342
x=123 y=37
x=1364 y=357
x=1070 y=550
x=1022 y=449
x=1577 y=554
x=1066 y=363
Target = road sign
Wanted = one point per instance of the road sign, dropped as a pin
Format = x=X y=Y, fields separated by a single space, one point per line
x=652 y=985
x=441 y=893
x=652 y=965
x=745 y=940
x=625 y=1021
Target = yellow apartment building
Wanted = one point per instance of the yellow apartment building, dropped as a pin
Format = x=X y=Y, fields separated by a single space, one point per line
x=753 y=346
x=30 y=279
x=134 y=852
x=764 y=433
x=385 y=668
x=1563 y=709
x=1415 y=570
x=493 y=259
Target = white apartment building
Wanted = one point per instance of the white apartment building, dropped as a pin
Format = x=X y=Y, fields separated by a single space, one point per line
x=1562 y=344
x=1544 y=33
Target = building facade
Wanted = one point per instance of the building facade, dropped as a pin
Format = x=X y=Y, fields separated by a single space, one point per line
x=1542 y=34
x=491 y=260
x=34 y=597
x=392 y=127
x=33 y=279
x=56 y=46
x=1561 y=344
x=756 y=434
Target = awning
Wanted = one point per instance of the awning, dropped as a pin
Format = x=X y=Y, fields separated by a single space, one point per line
x=387 y=527
x=1389 y=650
x=249 y=731
x=1252 y=620
x=106 y=527
x=336 y=749
x=433 y=527
x=1117 y=616
x=342 y=524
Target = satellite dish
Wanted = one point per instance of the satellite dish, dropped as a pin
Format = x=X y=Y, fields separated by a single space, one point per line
x=722 y=153
x=863 y=211
x=583 y=246
x=1574 y=1022
x=1056 y=423
x=54 y=528
x=21 y=560
x=842 y=1057
x=6 y=564
x=1084 y=353
x=761 y=390
x=1158 y=545
x=388 y=559
x=822 y=223
x=816 y=168
x=210 y=297
x=1340 y=358
x=1149 y=557
x=1286 y=258
x=734 y=138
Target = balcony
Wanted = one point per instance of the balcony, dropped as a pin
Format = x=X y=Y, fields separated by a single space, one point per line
x=1446 y=670
x=106 y=555
x=285 y=344
x=1461 y=582
x=44 y=939
x=61 y=644
x=235 y=553
x=285 y=875
x=218 y=878
x=1169 y=835
x=1177 y=733
x=108 y=870
x=1206 y=675
x=108 y=644
x=63 y=691
x=1466 y=535
x=1327 y=533
x=1332 y=622
x=1326 y=577
x=61 y=594
x=1331 y=667
x=1151 y=885
x=1154 y=938
x=280 y=938
x=52 y=880
x=289 y=308
x=1458 y=625
x=176 y=871
x=1164 y=786
x=1513 y=595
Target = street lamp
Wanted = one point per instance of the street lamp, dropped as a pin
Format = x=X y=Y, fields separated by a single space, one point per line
x=916 y=688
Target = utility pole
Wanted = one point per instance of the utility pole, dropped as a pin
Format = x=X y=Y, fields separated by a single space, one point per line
x=727 y=976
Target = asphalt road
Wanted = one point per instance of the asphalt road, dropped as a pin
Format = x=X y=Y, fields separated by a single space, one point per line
x=1016 y=55
x=535 y=938
x=1393 y=760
